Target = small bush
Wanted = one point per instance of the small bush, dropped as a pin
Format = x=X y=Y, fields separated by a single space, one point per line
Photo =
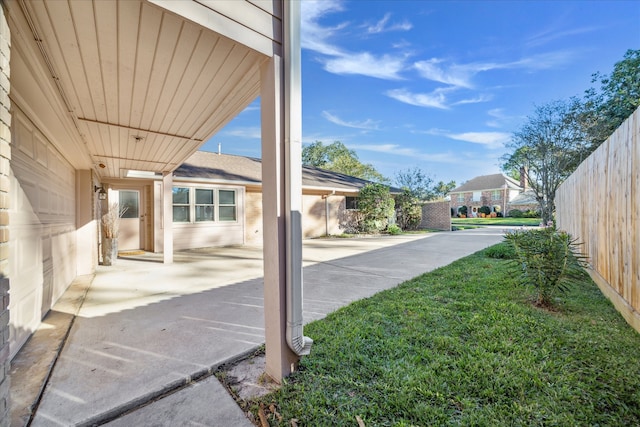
x=548 y=260
x=485 y=210
x=499 y=215
x=408 y=210
x=531 y=214
x=515 y=213
x=502 y=250
x=393 y=229
x=376 y=206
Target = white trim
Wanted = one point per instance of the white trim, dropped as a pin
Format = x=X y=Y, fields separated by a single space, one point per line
x=215 y=21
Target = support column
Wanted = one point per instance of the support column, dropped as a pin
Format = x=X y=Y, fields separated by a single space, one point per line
x=86 y=224
x=281 y=114
x=5 y=187
x=167 y=217
x=280 y=359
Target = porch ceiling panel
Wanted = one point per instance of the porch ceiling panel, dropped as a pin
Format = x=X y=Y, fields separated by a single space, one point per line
x=145 y=87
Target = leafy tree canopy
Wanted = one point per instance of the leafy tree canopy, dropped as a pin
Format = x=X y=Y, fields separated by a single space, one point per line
x=604 y=110
x=422 y=186
x=337 y=157
x=547 y=148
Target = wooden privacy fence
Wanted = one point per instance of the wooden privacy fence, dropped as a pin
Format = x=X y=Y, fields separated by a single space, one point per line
x=600 y=204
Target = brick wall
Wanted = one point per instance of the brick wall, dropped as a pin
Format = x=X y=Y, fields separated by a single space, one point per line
x=486 y=199
x=5 y=156
x=436 y=215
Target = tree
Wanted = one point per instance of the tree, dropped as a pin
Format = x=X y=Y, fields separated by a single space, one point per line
x=619 y=95
x=441 y=189
x=375 y=207
x=337 y=157
x=546 y=148
x=417 y=182
x=408 y=210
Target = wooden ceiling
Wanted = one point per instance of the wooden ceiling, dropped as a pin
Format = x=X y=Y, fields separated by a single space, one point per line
x=145 y=87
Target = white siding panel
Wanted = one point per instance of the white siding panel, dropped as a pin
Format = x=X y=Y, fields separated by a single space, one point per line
x=201 y=236
x=42 y=239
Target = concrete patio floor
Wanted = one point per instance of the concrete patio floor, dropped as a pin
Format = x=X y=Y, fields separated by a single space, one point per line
x=136 y=343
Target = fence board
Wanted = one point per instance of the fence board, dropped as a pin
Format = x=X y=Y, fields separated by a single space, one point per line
x=600 y=204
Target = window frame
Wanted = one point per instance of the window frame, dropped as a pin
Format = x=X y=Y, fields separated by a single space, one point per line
x=226 y=205
x=196 y=204
x=215 y=206
x=181 y=205
x=351 y=203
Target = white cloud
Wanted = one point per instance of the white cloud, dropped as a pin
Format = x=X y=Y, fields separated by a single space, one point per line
x=461 y=75
x=446 y=157
x=381 y=26
x=435 y=99
x=365 y=64
x=490 y=139
x=248 y=132
x=313 y=36
x=549 y=35
x=500 y=119
x=317 y=38
x=455 y=76
x=476 y=100
x=367 y=124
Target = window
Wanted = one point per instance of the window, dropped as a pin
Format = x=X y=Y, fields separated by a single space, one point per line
x=477 y=195
x=199 y=205
x=496 y=195
x=181 y=207
x=227 y=202
x=204 y=205
x=351 y=203
x=460 y=197
x=128 y=202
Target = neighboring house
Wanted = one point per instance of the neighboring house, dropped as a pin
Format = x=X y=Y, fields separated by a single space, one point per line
x=217 y=200
x=495 y=191
x=525 y=201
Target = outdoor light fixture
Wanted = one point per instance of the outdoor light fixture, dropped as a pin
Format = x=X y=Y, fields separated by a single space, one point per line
x=102 y=195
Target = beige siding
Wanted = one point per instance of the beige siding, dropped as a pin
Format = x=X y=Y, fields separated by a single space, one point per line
x=42 y=216
x=253 y=218
x=199 y=235
x=314 y=216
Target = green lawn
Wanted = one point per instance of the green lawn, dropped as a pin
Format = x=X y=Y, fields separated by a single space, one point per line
x=463 y=345
x=462 y=222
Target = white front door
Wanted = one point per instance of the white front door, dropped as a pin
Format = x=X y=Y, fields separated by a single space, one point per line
x=129 y=206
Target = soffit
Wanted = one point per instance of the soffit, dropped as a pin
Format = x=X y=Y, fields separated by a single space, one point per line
x=144 y=86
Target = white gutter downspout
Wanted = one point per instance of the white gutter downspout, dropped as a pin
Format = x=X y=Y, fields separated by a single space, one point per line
x=298 y=343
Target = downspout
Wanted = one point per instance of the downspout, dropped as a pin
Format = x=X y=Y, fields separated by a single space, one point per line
x=296 y=340
x=326 y=215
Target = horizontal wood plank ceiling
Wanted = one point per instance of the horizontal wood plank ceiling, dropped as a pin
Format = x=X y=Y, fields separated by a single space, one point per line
x=146 y=87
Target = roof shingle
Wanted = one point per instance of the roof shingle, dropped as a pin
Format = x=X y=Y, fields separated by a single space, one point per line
x=248 y=170
x=487 y=182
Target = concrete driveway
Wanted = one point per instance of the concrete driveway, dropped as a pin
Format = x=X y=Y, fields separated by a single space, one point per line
x=140 y=329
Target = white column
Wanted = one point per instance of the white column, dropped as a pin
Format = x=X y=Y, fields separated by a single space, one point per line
x=167 y=217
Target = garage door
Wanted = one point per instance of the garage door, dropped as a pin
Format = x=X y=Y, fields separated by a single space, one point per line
x=42 y=228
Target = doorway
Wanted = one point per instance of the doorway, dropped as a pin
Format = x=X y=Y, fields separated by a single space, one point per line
x=129 y=237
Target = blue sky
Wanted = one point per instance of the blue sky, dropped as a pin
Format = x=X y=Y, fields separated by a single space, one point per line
x=441 y=85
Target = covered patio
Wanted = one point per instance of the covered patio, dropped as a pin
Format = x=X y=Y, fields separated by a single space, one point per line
x=113 y=95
